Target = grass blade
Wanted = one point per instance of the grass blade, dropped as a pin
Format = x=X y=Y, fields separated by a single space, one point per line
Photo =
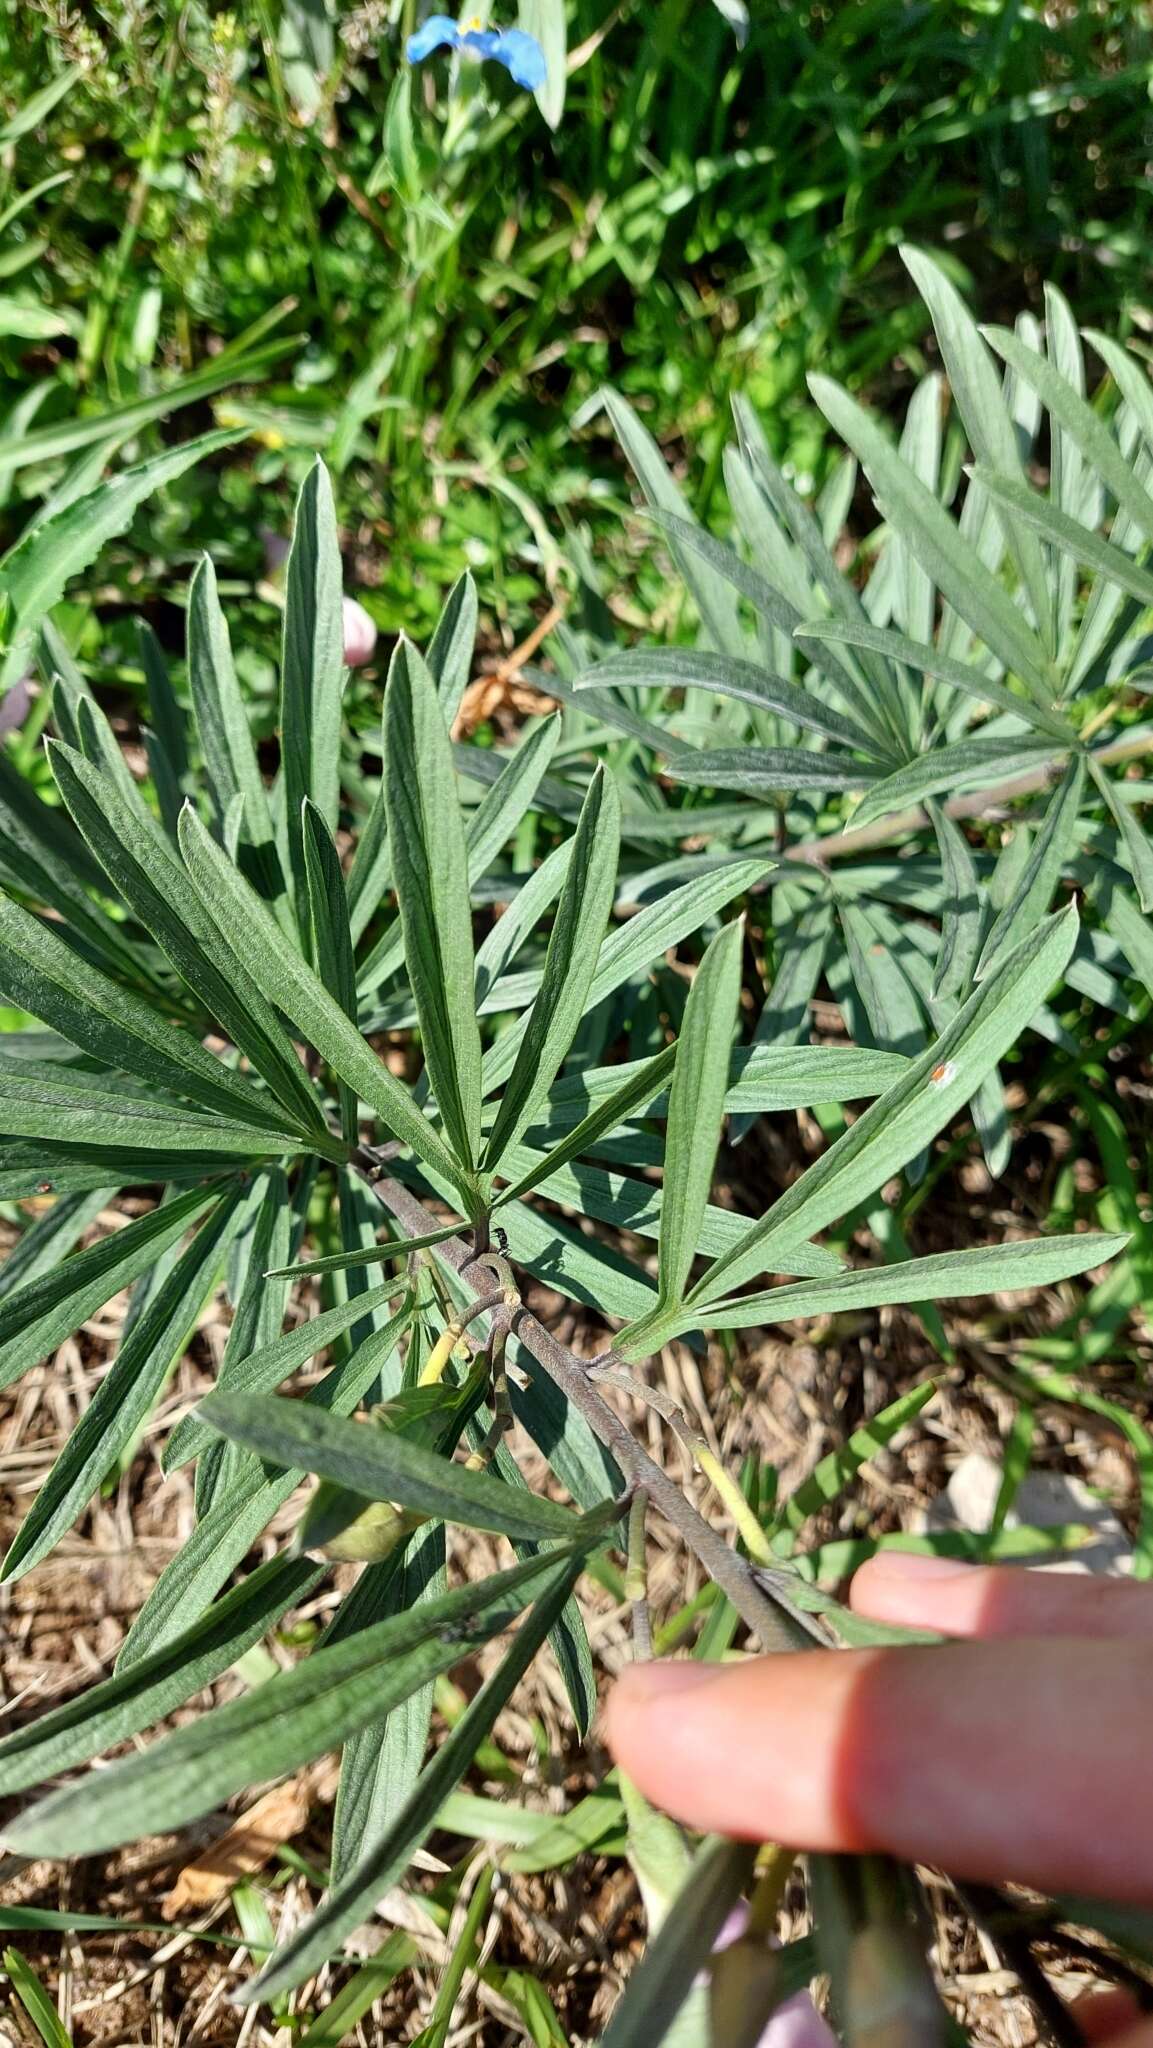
x=30 y=1994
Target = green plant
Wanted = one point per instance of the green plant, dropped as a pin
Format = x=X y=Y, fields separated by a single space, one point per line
x=923 y=682
x=354 y=1085
x=424 y=280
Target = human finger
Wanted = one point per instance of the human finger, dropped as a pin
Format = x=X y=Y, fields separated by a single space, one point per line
x=1020 y=1760
x=999 y=1600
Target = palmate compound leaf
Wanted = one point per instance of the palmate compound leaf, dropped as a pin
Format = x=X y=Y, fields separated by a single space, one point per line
x=685 y=668
x=151 y=880
x=633 y=946
x=942 y=1276
x=147 y=1691
x=516 y=787
x=1083 y=425
x=1048 y=855
x=978 y=760
x=238 y=1516
x=899 y=1123
x=667 y=1971
x=38 y=1316
x=979 y=398
x=261 y=1370
x=381 y=1763
x=930 y=661
x=287 y=1722
x=44 y=975
x=711 y=591
x=767 y=771
x=937 y=543
x=224 y=729
x=36 y=1102
x=1136 y=848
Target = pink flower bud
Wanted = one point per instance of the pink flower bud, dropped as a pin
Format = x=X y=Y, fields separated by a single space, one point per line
x=359 y=633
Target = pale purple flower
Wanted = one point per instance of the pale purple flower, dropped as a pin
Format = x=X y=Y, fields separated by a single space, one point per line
x=359 y=628
x=796 y=2023
x=359 y=633
x=15 y=706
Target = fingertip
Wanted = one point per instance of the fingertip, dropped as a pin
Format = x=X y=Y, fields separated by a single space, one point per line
x=956 y=1598
x=912 y=1589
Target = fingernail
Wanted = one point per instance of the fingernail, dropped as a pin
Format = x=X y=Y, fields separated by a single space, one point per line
x=912 y=1564
x=657 y=1681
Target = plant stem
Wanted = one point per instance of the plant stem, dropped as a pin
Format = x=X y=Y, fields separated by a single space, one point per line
x=979 y=803
x=772 y=1620
x=637 y=1577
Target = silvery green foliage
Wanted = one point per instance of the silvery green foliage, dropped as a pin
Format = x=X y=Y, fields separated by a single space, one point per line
x=222 y=977
x=991 y=641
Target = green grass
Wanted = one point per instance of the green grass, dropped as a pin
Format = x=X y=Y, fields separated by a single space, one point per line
x=443 y=286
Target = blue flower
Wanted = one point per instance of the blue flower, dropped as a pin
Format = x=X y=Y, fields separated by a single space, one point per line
x=520 y=54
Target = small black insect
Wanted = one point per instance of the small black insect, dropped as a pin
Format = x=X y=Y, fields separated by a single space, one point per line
x=500 y=1238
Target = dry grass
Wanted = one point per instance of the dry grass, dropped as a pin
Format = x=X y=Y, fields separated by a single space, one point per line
x=579 y=1928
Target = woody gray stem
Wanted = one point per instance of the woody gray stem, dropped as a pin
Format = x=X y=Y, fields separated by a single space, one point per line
x=770 y=1619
